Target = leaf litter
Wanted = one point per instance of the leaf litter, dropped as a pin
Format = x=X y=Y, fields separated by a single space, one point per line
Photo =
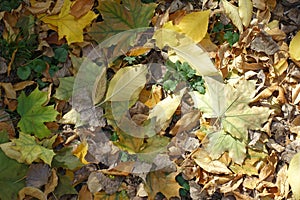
x=238 y=140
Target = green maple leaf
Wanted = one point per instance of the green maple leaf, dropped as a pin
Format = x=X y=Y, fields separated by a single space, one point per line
x=230 y=106
x=117 y=17
x=26 y=150
x=34 y=114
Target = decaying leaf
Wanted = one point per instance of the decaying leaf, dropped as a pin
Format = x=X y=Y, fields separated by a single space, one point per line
x=32 y=192
x=26 y=150
x=38 y=175
x=159 y=181
x=66 y=24
x=201 y=157
x=233 y=13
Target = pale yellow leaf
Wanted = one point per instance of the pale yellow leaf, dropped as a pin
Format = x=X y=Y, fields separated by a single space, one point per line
x=233 y=13
x=245 y=11
x=294 y=47
x=164 y=110
x=195 y=25
x=294 y=174
x=67 y=25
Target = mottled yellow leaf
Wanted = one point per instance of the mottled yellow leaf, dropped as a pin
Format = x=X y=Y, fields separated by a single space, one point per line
x=294 y=47
x=245 y=11
x=233 y=13
x=67 y=25
x=195 y=25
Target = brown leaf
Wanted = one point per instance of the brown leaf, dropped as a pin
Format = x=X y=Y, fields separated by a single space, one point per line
x=264 y=43
x=53 y=182
x=37 y=175
x=186 y=123
x=81 y=7
x=9 y=90
x=159 y=181
x=33 y=192
x=22 y=85
x=38 y=7
x=85 y=194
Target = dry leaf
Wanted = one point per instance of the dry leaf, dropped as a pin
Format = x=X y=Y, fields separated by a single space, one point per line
x=65 y=24
x=81 y=7
x=294 y=47
x=201 y=157
x=245 y=11
x=233 y=13
x=264 y=43
x=33 y=192
x=38 y=7
x=186 y=123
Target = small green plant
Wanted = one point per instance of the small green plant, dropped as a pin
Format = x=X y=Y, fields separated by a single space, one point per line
x=225 y=33
x=182 y=72
x=38 y=65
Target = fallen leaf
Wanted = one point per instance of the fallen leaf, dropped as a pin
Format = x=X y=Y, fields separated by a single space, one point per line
x=64 y=186
x=264 y=43
x=81 y=7
x=26 y=150
x=118 y=195
x=294 y=48
x=233 y=13
x=201 y=157
x=230 y=107
x=293 y=175
x=282 y=182
x=37 y=175
x=164 y=110
x=51 y=185
x=195 y=25
x=32 y=192
x=65 y=23
x=38 y=7
x=9 y=90
x=127 y=83
x=12 y=173
x=159 y=181
x=34 y=114
x=99 y=87
x=186 y=123
x=81 y=151
x=65 y=88
x=65 y=158
x=245 y=11
x=131 y=14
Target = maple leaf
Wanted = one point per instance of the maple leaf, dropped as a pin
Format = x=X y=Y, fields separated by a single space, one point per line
x=34 y=114
x=67 y=25
x=117 y=17
x=234 y=117
x=26 y=150
x=159 y=181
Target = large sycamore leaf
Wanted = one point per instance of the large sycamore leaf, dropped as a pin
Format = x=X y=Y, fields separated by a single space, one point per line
x=34 y=114
x=193 y=25
x=131 y=14
x=294 y=47
x=293 y=175
x=12 y=174
x=67 y=25
x=159 y=181
x=26 y=150
x=233 y=114
x=233 y=13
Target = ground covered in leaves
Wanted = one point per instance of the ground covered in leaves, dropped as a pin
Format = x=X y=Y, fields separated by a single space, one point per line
x=149 y=99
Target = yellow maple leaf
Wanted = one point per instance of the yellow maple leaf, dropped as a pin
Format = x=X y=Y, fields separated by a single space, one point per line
x=67 y=25
x=194 y=25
